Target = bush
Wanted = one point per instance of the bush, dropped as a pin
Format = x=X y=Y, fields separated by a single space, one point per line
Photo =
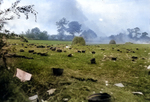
x=23 y=39
x=128 y=43
x=112 y=42
x=78 y=41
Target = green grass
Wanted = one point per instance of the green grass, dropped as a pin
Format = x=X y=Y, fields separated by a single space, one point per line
x=132 y=74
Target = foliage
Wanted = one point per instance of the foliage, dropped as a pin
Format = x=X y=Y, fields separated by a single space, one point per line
x=144 y=34
x=112 y=42
x=135 y=32
x=128 y=43
x=134 y=35
x=61 y=27
x=23 y=39
x=74 y=27
x=78 y=41
x=9 y=90
x=16 y=10
x=35 y=33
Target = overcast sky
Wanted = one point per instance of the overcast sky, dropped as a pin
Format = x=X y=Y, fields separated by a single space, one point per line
x=105 y=17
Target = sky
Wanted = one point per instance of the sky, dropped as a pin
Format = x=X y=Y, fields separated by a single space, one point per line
x=104 y=17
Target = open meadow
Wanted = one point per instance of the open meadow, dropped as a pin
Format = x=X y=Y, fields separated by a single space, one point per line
x=115 y=63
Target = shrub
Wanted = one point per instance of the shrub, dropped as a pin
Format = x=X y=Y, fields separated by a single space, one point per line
x=112 y=42
x=128 y=43
x=23 y=39
x=78 y=41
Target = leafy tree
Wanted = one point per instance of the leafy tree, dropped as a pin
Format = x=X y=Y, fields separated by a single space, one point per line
x=133 y=33
x=35 y=33
x=136 y=30
x=15 y=10
x=144 y=34
x=61 y=27
x=35 y=30
x=74 y=27
x=130 y=32
x=43 y=35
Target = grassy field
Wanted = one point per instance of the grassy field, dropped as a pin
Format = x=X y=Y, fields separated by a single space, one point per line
x=81 y=78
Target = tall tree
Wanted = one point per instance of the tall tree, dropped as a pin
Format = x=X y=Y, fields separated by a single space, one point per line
x=61 y=27
x=136 y=31
x=35 y=32
x=13 y=11
x=144 y=34
x=43 y=35
x=74 y=27
x=133 y=33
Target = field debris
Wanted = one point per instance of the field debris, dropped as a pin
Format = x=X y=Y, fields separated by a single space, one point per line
x=22 y=75
x=79 y=51
x=51 y=91
x=67 y=46
x=43 y=100
x=106 y=82
x=148 y=67
x=99 y=97
x=114 y=58
x=119 y=85
x=65 y=99
x=31 y=51
x=17 y=56
x=21 y=50
x=83 y=51
x=137 y=93
x=59 y=50
x=83 y=79
x=34 y=98
x=70 y=55
x=93 y=52
x=93 y=61
x=134 y=57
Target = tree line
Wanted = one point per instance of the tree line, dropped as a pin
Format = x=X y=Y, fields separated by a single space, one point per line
x=133 y=34
x=66 y=31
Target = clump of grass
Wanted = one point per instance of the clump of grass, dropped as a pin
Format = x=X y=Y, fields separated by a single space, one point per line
x=128 y=43
x=112 y=42
x=78 y=41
